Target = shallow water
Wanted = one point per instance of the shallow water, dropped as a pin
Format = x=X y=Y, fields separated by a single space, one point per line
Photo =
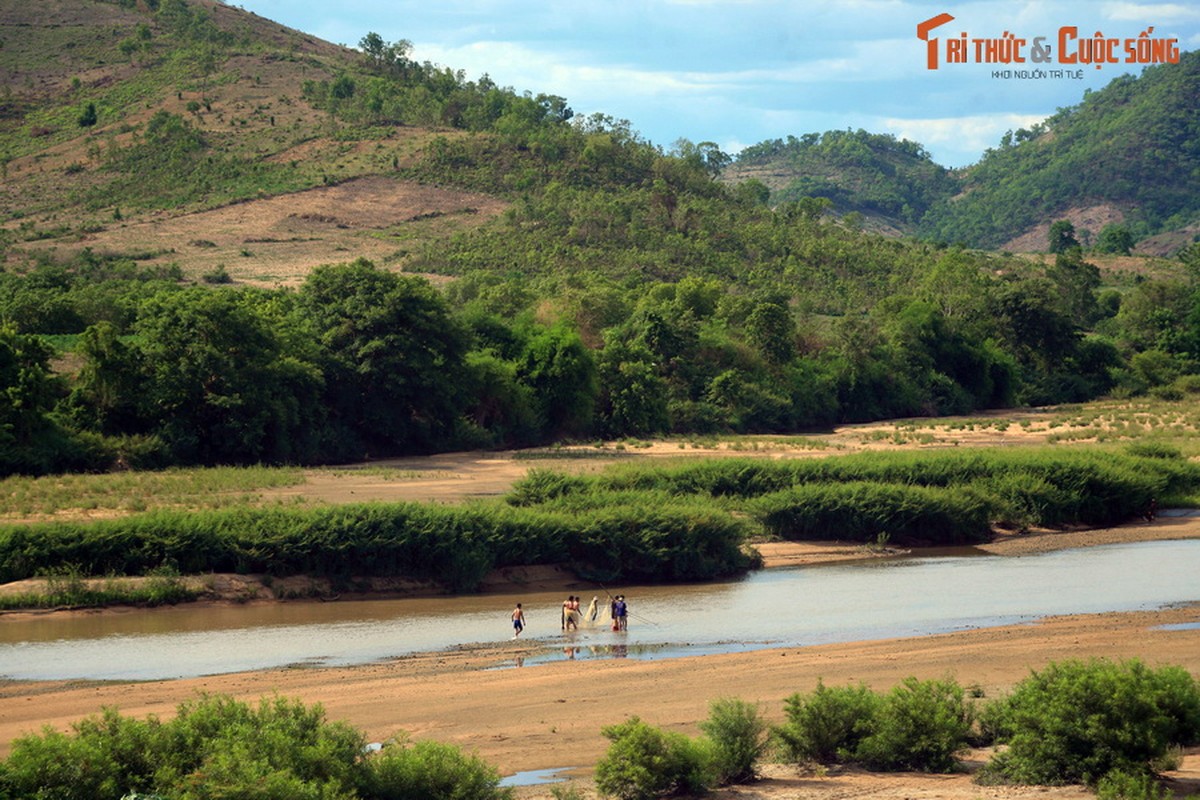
x=772 y=608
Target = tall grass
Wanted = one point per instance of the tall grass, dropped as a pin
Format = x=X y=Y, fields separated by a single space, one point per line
x=931 y=497
x=454 y=545
x=68 y=588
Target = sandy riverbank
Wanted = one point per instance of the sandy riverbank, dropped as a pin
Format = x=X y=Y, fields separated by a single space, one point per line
x=551 y=715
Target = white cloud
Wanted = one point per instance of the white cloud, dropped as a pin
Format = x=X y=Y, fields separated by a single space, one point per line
x=1152 y=14
x=966 y=134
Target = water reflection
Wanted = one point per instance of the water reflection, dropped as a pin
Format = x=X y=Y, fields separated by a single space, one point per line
x=785 y=607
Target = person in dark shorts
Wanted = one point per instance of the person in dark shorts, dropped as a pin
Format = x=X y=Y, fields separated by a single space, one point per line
x=518 y=620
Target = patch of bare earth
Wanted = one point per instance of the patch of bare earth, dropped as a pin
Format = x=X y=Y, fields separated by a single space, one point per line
x=277 y=241
x=1091 y=220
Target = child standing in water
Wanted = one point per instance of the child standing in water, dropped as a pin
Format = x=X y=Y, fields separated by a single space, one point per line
x=518 y=620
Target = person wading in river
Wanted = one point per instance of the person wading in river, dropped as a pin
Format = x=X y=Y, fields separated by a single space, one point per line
x=570 y=614
x=518 y=621
x=620 y=614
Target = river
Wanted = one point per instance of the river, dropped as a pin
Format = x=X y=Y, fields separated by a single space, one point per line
x=909 y=596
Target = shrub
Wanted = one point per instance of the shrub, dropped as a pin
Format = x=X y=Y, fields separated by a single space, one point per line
x=738 y=735
x=1078 y=721
x=1118 y=785
x=919 y=726
x=541 y=485
x=862 y=511
x=826 y=726
x=430 y=771
x=215 y=747
x=644 y=762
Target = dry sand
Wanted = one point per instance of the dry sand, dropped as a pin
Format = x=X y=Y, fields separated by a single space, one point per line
x=551 y=715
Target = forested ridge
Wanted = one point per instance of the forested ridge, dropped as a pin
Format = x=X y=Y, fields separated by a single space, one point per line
x=1131 y=146
x=1134 y=144
x=626 y=291
x=856 y=171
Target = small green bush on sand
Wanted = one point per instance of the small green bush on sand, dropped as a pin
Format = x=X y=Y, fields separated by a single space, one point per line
x=644 y=762
x=739 y=738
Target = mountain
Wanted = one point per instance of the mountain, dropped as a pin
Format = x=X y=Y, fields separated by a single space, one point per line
x=1127 y=155
x=202 y=136
x=891 y=182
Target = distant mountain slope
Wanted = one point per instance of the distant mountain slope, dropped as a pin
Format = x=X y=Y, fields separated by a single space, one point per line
x=1128 y=154
x=1130 y=151
x=877 y=175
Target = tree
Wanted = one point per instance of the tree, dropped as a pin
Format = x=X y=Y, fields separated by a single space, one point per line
x=1062 y=236
x=633 y=398
x=219 y=386
x=28 y=391
x=1115 y=239
x=772 y=331
x=1077 y=281
x=88 y=117
x=393 y=357
x=1077 y=721
x=559 y=369
x=705 y=156
x=107 y=392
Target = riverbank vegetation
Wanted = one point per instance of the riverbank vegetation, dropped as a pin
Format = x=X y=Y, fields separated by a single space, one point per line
x=930 y=497
x=215 y=746
x=630 y=523
x=454 y=546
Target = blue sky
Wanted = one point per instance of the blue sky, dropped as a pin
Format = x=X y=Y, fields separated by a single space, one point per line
x=736 y=72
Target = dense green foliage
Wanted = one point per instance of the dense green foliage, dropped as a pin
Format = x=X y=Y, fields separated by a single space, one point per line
x=826 y=725
x=644 y=762
x=452 y=545
x=1075 y=722
x=1132 y=144
x=918 y=726
x=739 y=738
x=427 y=770
x=216 y=746
x=629 y=523
x=1072 y=722
x=856 y=171
x=944 y=497
x=361 y=361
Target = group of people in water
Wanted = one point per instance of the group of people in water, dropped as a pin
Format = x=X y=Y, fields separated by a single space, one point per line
x=573 y=616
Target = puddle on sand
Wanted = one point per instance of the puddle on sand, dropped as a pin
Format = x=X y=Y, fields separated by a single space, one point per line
x=536 y=777
x=1179 y=626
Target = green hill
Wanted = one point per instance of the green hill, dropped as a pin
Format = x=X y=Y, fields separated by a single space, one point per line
x=1133 y=146
x=877 y=175
x=224 y=241
x=1127 y=156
